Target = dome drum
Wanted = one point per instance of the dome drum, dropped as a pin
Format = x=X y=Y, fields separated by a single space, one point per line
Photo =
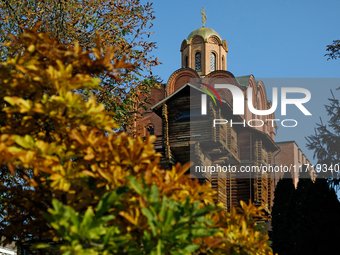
x=204 y=51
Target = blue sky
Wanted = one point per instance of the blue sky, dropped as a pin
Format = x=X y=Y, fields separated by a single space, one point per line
x=269 y=39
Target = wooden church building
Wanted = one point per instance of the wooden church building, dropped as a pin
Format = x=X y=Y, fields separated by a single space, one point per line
x=185 y=134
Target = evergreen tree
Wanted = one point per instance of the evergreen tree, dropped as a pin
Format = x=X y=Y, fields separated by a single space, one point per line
x=305 y=221
x=316 y=224
x=325 y=143
x=280 y=222
x=322 y=216
x=298 y=216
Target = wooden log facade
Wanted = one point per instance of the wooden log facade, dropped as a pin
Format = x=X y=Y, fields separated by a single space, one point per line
x=190 y=136
x=186 y=135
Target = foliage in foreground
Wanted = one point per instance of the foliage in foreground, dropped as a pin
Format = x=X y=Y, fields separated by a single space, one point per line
x=124 y=24
x=86 y=188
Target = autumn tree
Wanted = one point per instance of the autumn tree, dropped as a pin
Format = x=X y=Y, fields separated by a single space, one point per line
x=121 y=23
x=82 y=188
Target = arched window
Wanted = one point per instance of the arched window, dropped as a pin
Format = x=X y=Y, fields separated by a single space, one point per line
x=223 y=63
x=198 y=61
x=186 y=64
x=151 y=129
x=212 y=61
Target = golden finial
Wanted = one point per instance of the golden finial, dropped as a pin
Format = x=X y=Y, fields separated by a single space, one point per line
x=204 y=16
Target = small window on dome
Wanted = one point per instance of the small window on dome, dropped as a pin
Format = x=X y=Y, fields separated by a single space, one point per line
x=223 y=63
x=212 y=61
x=186 y=62
x=198 y=61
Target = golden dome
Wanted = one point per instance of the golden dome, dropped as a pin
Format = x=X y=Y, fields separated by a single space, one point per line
x=205 y=32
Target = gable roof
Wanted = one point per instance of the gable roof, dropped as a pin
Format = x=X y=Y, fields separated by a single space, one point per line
x=184 y=87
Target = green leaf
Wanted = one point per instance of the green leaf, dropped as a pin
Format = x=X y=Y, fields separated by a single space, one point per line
x=135 y=185
x=87 y=220
x=41 y=246
x=159 y=247
x=109 y=200
x=191 y=248
x=151 y=218
x=154 y=193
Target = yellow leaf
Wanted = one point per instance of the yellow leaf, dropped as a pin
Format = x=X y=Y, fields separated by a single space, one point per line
x=90 y=153
x=11 y=100
x=31 y=48
x=128 y=217
x=75 y=135
x=25 y=142
x=89 y=173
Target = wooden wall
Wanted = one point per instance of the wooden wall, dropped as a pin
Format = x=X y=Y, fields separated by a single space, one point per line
x=219 y=145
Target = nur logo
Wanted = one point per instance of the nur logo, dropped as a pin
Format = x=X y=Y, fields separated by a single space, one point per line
x=238 y=99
